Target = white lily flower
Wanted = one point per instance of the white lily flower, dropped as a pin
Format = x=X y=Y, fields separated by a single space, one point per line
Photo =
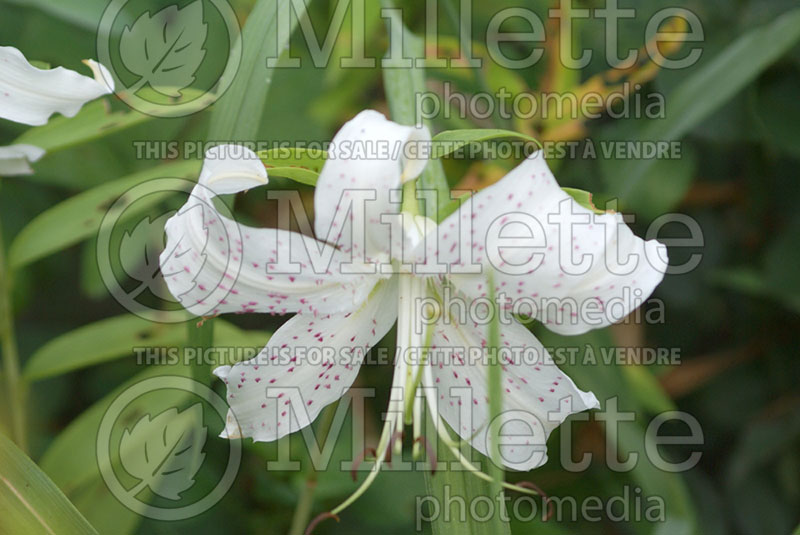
x=352 y=304
x=30 y=95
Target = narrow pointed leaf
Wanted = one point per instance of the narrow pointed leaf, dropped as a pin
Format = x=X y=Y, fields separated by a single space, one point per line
x=237 y=115
x=118 y=337
x=79 y=217
x=608 y=382
x=584 y=198
x=402 y=84
x=96 y=120
x=30 y=503
x=71 y=460
x=298 y=164
x=450 y=141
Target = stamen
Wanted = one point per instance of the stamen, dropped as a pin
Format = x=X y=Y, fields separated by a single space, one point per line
x=206 y=318
x=417 y=425
x=430 y=451
x=361 y=457
x=384 y=444
x=396 y=437
x=545 y=497
x=319 y=518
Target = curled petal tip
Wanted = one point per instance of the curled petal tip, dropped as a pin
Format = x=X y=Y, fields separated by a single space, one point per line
x=101 y=74
x=319 y=518
x=222 y=371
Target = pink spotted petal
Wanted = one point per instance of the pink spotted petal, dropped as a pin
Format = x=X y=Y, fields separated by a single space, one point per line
x=308 y=363
x=533 y=391
x=568 y=278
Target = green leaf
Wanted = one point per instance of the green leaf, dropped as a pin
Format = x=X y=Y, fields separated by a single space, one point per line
x=139 y=252
x=461 y=487
x=706 y=90
x=606 y=379
x=71 y=459
x=648 y=391
x=762 y=502
x=30 y=502
x=93 y=121
x=777 y=279
x=40 y=64
x=166 y=49
x=79 y=217
x=85 y=14
x=584 y=198
x=237 y=115
x=778 y=108
x=96 y=120
x=402 y=85
x=450 y=141
x=494 y=378
x=104 y=510
x=298 y=164
x=100 y=342
x=754 y=283
x=117 y=337
x=664 y=184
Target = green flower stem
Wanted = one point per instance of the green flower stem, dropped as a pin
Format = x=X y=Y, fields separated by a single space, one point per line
x=305 y=503
x=17 y=390
x=495 y=390
x=201 y=337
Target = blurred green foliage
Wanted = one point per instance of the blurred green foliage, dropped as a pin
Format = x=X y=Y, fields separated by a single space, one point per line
x=734 y=318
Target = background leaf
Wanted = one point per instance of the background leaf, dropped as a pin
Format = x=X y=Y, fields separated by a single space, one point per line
x=711 y=85
x=79 y=217
x=450 y=141
x=237 y=115
x=402 y=85
x=117 y=337
x=30 y=502
x=298 y=164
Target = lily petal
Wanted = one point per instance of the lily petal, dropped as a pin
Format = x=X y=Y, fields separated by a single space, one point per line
x=307 y=364
x=537 y=395
x=214 y=265
x=16 y=159
x=573 y=284
x=30 y=95
x=370 y=156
